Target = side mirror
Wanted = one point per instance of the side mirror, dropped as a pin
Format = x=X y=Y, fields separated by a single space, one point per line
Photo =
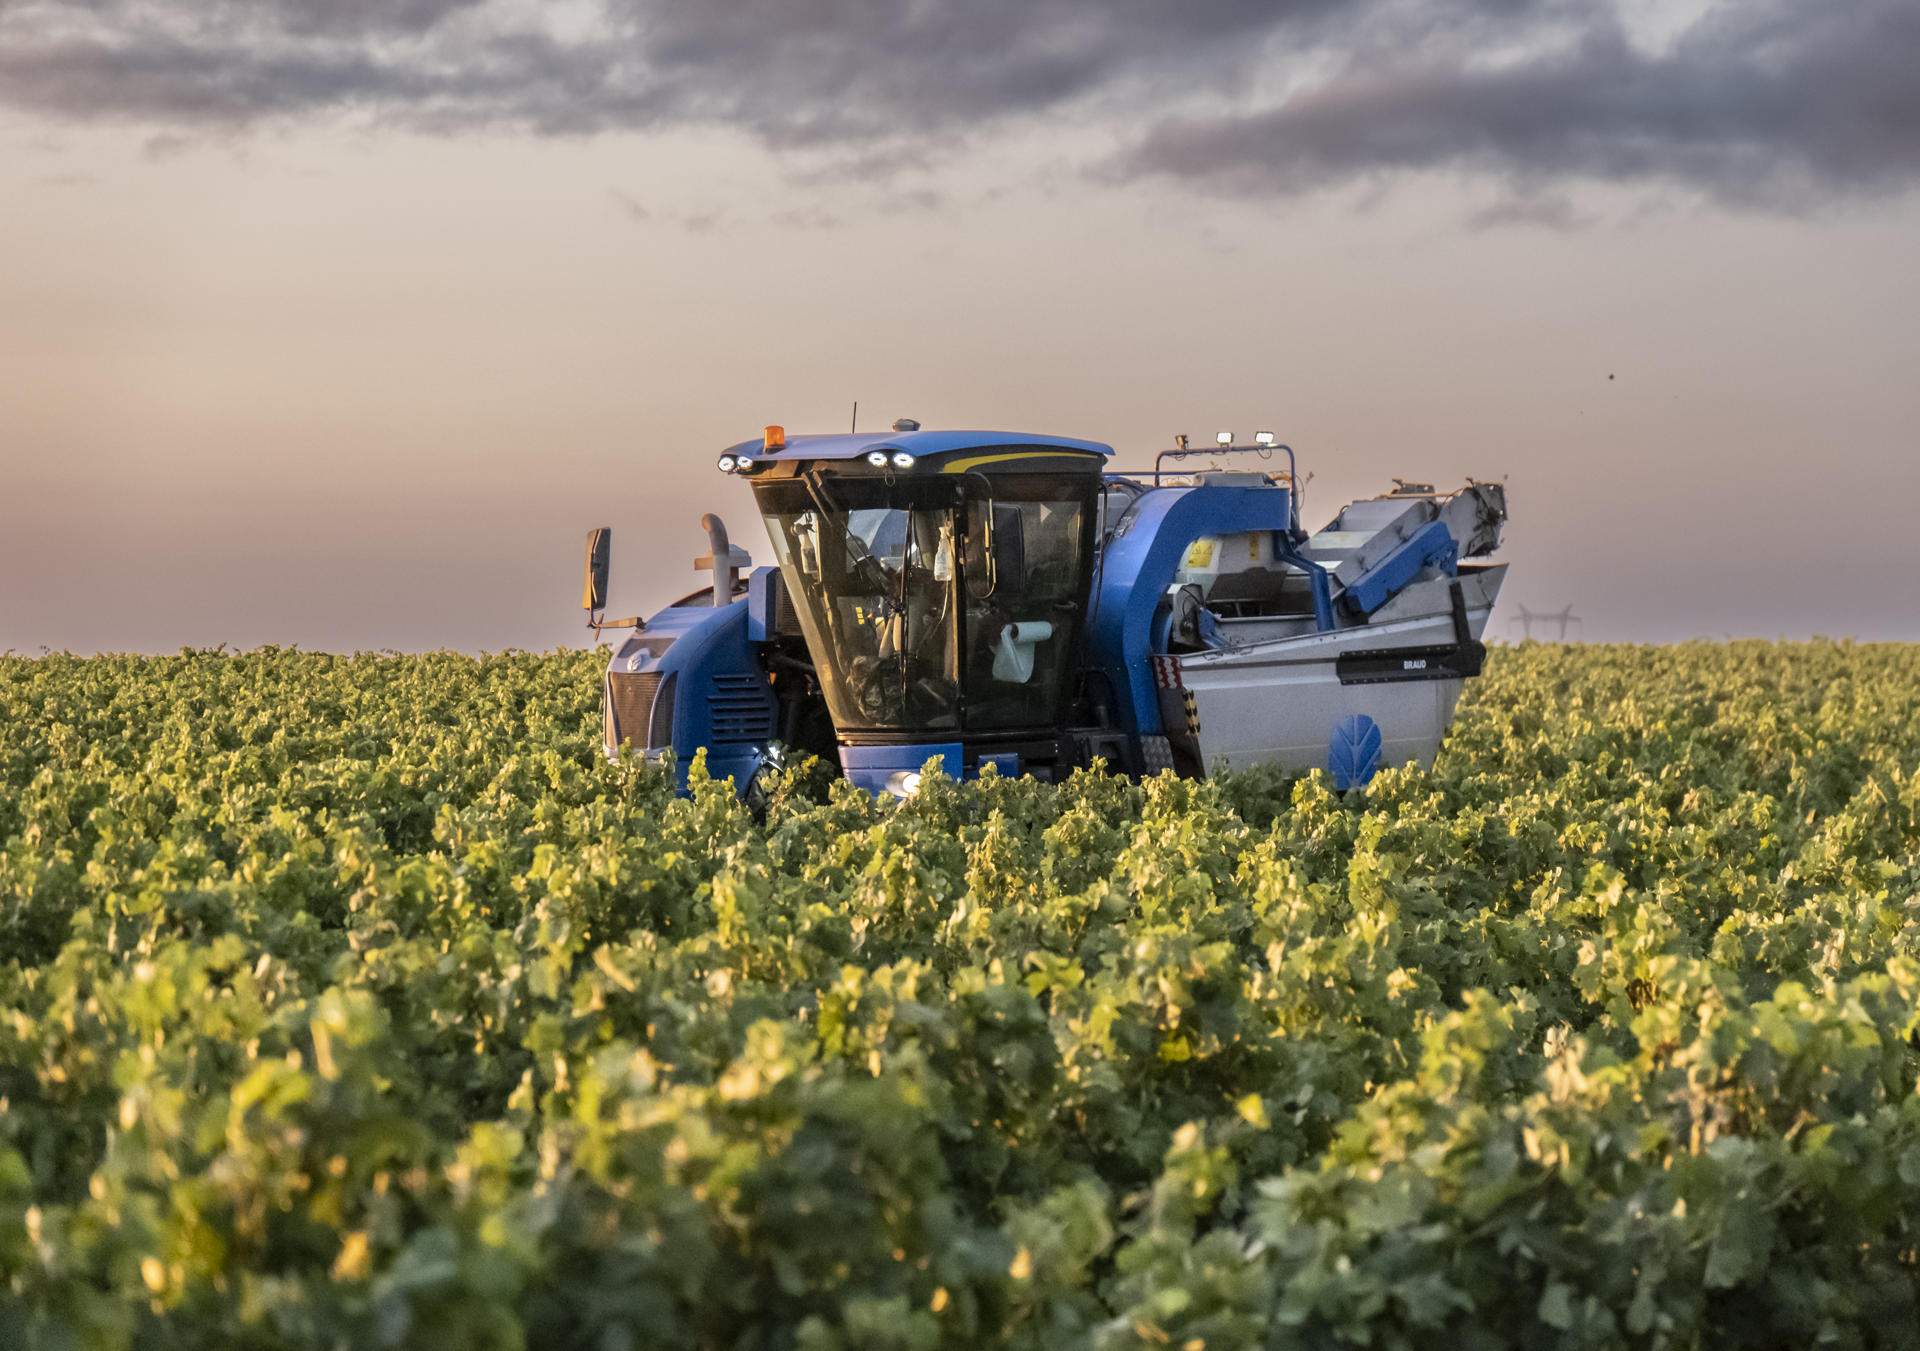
x=996 y=550
x=599 y=544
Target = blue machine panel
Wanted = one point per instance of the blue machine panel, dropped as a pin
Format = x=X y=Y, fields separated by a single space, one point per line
x=721 y=699
x=1432 y=545
x=760 y=619
x=1138 y=566
x=878 y=768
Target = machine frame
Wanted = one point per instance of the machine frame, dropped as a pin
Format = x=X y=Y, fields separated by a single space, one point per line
x=1190 y=627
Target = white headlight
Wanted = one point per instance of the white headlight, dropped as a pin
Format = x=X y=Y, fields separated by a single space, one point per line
x=1264 y=438
x=902 y=460
x=877 y=458
x=727 y=463
x=903 y=783
x=744 y=463
x=1223 y=439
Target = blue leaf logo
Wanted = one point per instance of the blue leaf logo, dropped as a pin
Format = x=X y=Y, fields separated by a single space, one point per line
x=1353 y=754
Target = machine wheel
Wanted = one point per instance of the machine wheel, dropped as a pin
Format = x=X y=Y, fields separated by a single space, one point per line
x=758 y=792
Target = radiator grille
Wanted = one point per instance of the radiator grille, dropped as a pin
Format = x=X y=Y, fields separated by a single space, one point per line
x=741 y=709
x=639 y=712
x=660 y=733
x=786 y=621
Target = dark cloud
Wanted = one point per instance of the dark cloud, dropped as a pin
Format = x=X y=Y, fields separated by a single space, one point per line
x=796 y=72
x=1773 y=102
x=1550 y=211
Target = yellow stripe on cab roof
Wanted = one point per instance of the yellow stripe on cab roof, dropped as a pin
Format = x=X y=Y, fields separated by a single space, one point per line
x=961 y=466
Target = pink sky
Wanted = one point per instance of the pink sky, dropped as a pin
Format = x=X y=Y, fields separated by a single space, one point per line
x=344 y=380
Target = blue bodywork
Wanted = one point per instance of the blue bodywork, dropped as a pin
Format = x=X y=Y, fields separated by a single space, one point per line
x=1431 y=546
x=878 y=768
x=719 y=689
x=760 y=583
x=1138 y=566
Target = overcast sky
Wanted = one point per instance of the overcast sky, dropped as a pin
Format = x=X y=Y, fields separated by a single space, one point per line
x=337 y=322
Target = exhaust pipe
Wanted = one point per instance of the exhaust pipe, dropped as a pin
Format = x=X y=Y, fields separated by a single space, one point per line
x=722 y=560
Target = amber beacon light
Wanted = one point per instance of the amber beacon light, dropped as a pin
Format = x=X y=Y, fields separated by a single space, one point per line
x=774 y=438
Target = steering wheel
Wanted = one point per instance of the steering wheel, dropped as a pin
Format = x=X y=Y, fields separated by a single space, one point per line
x=867 y=572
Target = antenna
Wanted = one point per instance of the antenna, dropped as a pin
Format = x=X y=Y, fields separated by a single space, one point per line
x=856 y=417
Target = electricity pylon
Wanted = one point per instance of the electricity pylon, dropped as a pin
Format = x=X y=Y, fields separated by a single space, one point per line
x=1526 y=619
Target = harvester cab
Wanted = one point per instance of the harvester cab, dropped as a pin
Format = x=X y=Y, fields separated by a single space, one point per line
x=1004 y=599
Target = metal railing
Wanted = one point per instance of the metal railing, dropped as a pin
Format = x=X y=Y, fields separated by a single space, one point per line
x=1265 y=452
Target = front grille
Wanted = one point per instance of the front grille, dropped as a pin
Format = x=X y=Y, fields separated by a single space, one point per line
x=632 y=708
x=741 y=708
x=660 y=732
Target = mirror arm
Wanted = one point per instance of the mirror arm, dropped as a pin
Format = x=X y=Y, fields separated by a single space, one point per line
x=986 y=534
x=599 y=625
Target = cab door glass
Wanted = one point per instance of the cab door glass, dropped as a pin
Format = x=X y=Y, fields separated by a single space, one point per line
x=878 y=609
x=1026 y=589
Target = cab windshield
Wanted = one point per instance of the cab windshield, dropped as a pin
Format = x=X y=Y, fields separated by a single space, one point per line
x=937 y=604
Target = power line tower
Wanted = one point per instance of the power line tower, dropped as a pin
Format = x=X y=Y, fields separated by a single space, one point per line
x=1559 y=619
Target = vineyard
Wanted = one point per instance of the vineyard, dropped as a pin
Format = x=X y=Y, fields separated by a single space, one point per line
x=360 y=1002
